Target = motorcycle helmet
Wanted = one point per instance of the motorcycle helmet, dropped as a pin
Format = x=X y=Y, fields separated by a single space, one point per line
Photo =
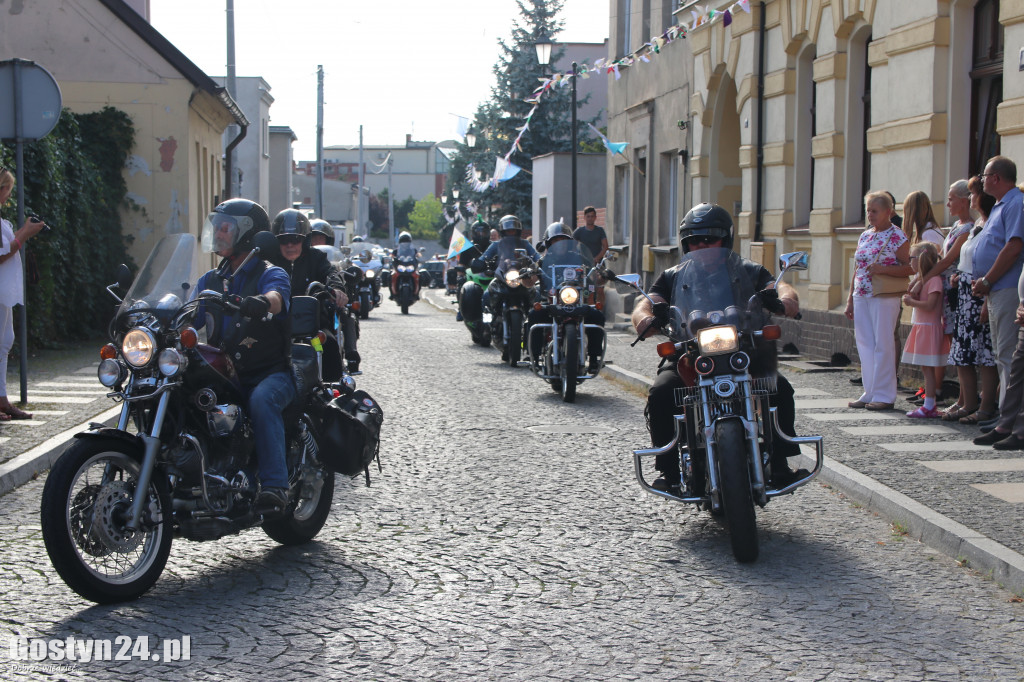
x=321 y=226
x=557 y=232
x=480 y=234
x=706 y=221
x=510 y=225
x=290 y=225
x=231 y=226
x=405 y=238
x=358 y=238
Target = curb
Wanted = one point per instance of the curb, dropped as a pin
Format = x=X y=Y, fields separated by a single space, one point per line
x=31 y=463
x=940 y=533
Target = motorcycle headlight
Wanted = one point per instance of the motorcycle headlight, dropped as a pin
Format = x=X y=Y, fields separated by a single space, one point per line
x=111 y=373
x=512 y=278
x=717 y=340
x=171 y=362
x=370 y=274
x=569 y=295
x=138 y=347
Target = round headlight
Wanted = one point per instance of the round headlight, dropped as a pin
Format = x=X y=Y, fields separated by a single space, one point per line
x=371 y=274
x=569 y=295
x=512 y=278
x=110 y=373
x=137 y=347
x=171 y=362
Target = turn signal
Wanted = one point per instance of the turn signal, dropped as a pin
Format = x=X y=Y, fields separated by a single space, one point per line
x=189 y=338
x=537 y=306
x=108 y=352
x=599 y=306
x=666 y=349
x=771 y=332
x=322 y=337
x=355 y=306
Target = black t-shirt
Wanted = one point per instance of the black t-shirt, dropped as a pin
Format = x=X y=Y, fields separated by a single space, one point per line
x=592 y=239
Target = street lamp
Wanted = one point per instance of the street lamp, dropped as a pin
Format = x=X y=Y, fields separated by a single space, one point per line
x=543 y=46
x=470 y=138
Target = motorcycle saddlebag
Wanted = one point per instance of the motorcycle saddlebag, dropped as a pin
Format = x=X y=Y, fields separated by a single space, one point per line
x=305 y=368
x=351 y=432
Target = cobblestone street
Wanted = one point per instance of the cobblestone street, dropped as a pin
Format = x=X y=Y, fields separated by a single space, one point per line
x=487 y=549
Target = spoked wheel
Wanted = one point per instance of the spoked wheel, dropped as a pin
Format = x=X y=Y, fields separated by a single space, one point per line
x=85 y=506
x=515 y=337
x=570 y=364
x=734 y=479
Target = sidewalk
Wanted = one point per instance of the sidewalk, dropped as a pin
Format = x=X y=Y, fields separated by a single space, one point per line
x=925 y=476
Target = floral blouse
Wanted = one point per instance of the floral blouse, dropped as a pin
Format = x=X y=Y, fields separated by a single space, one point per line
x=875 y=247
x=955 y=232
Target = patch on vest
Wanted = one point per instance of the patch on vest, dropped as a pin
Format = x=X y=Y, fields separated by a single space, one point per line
x=248 y=342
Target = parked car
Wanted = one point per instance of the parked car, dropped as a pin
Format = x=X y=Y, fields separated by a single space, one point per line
x=435 y=268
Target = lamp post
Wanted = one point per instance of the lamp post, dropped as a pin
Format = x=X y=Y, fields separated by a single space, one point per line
x=543 y=46
x=470 y=137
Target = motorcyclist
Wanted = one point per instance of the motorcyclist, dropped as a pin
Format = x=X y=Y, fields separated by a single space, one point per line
x=480 y=236
x=510 y=231
x=366 y=262
x=710 y=226
x=559 y=232
x=260 y=348
x=305 y=265
x=405 y=249
x=321 y=233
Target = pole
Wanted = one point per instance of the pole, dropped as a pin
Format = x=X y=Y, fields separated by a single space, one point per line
x=19 y=162
x=319 y=141
x=359 y=192
x=574 y=78
x=232 y=157
x=391 y=204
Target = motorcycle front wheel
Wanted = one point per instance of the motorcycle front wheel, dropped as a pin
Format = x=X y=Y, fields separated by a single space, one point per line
x=734 y=479
x=570 y=363
x=515 y=337
x=86 y=501
x=364 y=307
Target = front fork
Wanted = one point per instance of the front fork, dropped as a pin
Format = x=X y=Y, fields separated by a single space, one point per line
x=152 y=445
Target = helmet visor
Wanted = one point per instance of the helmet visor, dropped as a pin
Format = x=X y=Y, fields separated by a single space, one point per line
x=220 y=233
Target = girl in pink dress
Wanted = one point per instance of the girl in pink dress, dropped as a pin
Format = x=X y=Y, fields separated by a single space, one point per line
x=927 y=346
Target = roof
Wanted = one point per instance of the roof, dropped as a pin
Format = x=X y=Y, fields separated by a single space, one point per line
x=174 y=56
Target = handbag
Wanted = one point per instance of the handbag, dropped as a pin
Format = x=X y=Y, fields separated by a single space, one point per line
x=887 y=285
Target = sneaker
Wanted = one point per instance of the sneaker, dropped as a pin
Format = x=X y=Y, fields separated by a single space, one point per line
x=594 y=366
x=857 y=381
x=666 y=483
x=458 y=316
x=879 y=406
x=783 y=476
x=272 y=498
x=922 y=413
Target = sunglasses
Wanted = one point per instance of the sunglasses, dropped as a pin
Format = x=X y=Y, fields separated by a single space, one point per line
x=704 y=240
x=290 y=239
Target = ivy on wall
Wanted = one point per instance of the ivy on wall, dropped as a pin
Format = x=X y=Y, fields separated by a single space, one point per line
x=73 y=178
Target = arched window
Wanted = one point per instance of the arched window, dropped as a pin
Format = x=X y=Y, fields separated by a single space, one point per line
x=803 y=133
x=986 y=82
x=858 y=158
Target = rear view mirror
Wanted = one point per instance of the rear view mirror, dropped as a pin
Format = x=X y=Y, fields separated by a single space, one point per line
x=124 y=276
x=795 y=260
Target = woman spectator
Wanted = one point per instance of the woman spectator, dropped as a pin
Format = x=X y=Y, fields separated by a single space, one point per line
x=971 y=347
x=882 y=249
x=11 y=289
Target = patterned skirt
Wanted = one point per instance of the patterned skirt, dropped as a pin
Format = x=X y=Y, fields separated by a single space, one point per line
x=972 y=340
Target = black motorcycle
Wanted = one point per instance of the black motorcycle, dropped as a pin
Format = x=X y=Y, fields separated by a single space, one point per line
x=559 y=346
x=511 y=295
x=184 y=438
x=405 y=275
x=470 y=297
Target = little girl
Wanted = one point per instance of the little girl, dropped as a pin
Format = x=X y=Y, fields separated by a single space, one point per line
x=927 y=346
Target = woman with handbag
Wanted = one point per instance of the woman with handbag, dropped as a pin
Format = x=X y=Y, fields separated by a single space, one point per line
x=881 y=269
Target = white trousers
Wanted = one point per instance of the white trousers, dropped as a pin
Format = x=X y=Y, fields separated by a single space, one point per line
x=6 y=343
x=874 y=321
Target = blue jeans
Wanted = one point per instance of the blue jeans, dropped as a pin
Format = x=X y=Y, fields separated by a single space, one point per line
x=267 y=401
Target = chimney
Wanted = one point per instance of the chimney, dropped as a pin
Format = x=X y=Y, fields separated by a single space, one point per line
x=408 y=139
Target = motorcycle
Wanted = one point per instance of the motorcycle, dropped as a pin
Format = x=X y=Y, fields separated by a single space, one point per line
x=723 y=433
x=405 y=277
x=366 y=270
x=470 y=299
x=180 y=461
x=564 y=341
x=337 y=320
x=511 y=294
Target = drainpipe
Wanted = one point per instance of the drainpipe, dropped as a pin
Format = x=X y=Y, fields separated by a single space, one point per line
x=760 y=128
x=243 y=123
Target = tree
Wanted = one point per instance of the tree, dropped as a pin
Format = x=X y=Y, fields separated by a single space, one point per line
x=379 y=216
x=517 y=75
x=425 y=218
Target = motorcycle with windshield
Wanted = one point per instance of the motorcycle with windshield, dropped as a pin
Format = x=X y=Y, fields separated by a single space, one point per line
x=718 y=329
x=510 y=294
x=559 y=349
x=181 y=460
x=366 y=270
x=405 y=275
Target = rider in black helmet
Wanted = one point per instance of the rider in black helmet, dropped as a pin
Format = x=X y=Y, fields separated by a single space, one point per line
x=709 y=226
x=480 y=236
x=259 y=347
x=321 y=233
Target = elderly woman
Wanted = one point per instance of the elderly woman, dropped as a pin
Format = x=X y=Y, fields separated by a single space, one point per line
x=11 y=289
x=883 y=249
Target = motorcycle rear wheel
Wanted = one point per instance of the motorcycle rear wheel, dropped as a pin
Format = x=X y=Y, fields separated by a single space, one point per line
x=515 y=337
x=85 y=500
x=734 y=479
x=570 y=364
x=308 y=517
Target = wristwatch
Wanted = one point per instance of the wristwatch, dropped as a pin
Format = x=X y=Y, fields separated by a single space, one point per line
x=984 y=280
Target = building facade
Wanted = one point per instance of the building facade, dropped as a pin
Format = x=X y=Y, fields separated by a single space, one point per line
x=856 y=95
x=281 y=194
x=253 y=153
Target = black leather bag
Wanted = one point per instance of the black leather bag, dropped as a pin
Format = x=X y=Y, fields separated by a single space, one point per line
x=351 y=433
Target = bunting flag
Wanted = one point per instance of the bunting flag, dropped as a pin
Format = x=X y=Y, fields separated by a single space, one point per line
x=613 y=147
x=458 y=244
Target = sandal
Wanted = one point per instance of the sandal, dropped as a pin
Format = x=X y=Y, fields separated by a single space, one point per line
x=955 y=412
x=15 y=413
x=977 y=417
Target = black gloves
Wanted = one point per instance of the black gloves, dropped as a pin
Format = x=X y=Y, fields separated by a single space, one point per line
x=255 y=307
x=770 y=301
x=660 y=311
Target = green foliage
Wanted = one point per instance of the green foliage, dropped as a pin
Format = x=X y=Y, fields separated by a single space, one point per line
x=517 y=74
x=73 y=179
x=425 y=218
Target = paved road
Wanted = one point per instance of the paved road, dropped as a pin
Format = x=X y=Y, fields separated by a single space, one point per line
x=488 y=549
